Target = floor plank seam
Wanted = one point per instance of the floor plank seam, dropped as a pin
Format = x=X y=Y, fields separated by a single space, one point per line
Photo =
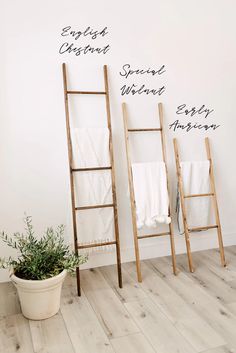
x=74 y=349
x=97 y=315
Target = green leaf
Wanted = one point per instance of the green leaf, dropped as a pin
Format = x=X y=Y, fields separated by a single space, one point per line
x=40 y=258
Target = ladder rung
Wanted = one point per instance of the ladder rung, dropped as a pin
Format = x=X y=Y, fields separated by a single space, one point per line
x=140 y=130
x=86 y=246
x=198 y=195
x=152 y=235
x=86 y=92
x=89 y=169
x=91 y=207
x=195 y=229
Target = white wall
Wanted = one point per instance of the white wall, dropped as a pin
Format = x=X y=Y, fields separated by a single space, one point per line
x=195 y=40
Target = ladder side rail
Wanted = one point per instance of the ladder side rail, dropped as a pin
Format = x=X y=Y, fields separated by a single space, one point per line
x=163 y=144
x=131 y=192
x=215 y=203
x=116 y=225
x=184 y=213
x=70 y=156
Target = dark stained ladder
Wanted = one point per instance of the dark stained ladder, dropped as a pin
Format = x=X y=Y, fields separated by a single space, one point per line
x=116 y=242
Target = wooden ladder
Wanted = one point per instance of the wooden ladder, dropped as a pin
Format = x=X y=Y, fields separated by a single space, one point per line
x=113 y=205
x=136 y=236
x=211 y=194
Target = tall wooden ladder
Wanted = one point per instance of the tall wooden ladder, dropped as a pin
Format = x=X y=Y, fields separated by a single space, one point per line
x=113 y=205
x=211 y=194
x=136 y=236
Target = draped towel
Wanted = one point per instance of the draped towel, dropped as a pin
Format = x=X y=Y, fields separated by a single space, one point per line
x=196 y=180
x=90 y=148
x=151 y=195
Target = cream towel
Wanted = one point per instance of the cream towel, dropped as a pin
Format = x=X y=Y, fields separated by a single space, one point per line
x=195 y=176
x=151 y=195
x=91 y=149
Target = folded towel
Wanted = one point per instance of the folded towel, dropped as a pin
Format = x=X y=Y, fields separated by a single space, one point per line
x=151 y=195
x=90 y=148
x=195 y=176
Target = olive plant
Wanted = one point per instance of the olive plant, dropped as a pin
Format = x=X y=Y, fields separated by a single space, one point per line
x=40 y=258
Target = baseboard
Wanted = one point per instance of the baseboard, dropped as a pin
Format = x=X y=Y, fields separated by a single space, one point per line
x=158 y=248
x=199 y=241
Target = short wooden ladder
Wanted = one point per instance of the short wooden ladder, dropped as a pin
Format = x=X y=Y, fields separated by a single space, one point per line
x=211 y=194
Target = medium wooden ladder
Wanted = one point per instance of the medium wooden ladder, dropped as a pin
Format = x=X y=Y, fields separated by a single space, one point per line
x=211 y=194
x=113 y=205
x=136 y=236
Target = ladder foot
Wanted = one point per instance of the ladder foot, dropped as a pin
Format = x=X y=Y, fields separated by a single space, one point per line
x=140 y=279
x=223 y=261
x=176 y=272
x=78 y=290
x=120 y=282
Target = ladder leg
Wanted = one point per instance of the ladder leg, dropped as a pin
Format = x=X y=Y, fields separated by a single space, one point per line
x=119 y=267
x=70 y=157
x=78 y=281
x=113 y=178
x=172 y=246
x=75 y=232
x=186 y=232
x=187 y=241
x=215 y=204
x=221 y=245
x=132 y=198
x=118 y=256
x=184 y=214
x=172 y=242
x=135 y=234
x=137 y=256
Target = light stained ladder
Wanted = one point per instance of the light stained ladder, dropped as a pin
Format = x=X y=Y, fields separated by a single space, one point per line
x=136 y=236
x=211 y=194
x=113 y=205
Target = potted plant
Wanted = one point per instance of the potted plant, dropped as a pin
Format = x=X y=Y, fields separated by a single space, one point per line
x=40 y=269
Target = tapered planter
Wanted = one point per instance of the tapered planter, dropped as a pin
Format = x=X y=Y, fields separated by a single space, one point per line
x=39 y=299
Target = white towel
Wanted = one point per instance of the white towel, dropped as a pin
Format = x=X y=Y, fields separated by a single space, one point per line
x=91 y=149
x=195 y=176
x=151 y=195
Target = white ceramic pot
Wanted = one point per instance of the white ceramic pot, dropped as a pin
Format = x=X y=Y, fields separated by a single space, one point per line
x=39 y=299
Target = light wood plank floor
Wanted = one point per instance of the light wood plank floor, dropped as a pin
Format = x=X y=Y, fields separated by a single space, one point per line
x=190 y=313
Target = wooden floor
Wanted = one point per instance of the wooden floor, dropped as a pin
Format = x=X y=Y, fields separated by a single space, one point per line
x=166 y=314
